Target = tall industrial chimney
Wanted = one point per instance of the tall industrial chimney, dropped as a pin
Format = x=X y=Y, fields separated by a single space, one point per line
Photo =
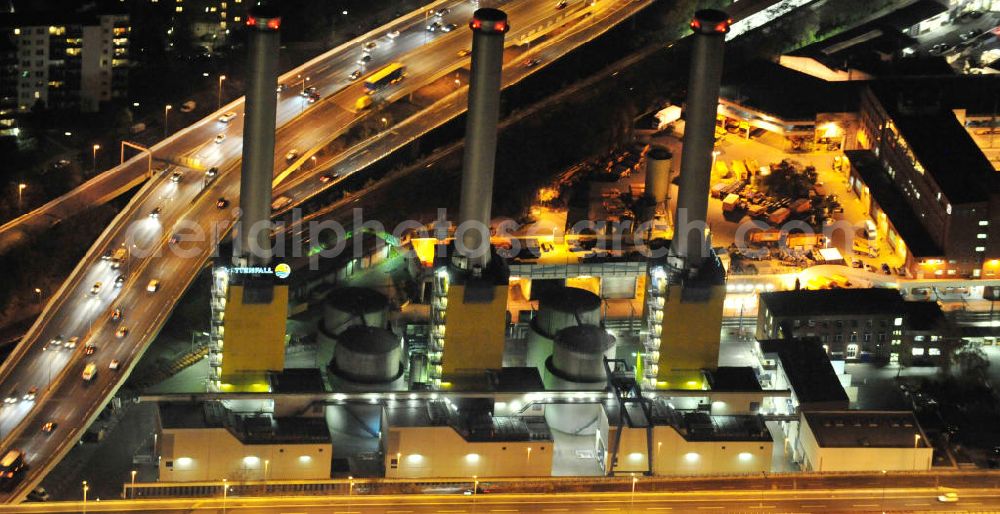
x=710 y=27
x=488 y=29
x=263 y=21
x=469 y=308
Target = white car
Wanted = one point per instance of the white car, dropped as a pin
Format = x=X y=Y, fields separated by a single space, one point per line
x=153 y=285
x=292 y=154
x=369 y=46
x=220 y=138
x=114 y=364
x=96 y=288
x=226 y=118
x=176 y=177
x=393 y=35
x=948 y=498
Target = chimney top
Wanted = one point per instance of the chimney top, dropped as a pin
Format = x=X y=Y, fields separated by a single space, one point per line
x=711 y=21
x=489 y=20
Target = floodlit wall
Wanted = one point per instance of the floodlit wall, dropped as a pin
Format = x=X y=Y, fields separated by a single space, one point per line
x=199 y=454
x=253 y=337
x=418 y=452
x=690 y=338
x=673 y=455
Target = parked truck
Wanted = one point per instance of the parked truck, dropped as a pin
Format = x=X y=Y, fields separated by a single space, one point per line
x=730 y=202
x=779 y=216
x=800 y=206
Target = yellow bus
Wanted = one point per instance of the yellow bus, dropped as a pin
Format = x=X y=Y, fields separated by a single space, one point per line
x=388 y=75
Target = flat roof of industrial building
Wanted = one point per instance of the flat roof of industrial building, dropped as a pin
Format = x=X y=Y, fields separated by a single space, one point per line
x=731 y=378
x=833 y=302
x=924 y=316
x=764 y=85
x=865 y=429
x=948 y=153
x=808 y=370
x=890 y=200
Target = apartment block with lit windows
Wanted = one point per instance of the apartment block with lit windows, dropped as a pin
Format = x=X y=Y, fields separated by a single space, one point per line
x=933 y=193
x=69 y=61
x=858 y=324
x=211 y=20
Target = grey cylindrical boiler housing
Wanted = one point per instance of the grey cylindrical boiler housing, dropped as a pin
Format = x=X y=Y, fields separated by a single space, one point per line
x=710 y=27
x=658 y=163
x=557 y=309
x=488 y=29
x=578 y=353
x=349 y=306
x=260 y=114
x=367 y=355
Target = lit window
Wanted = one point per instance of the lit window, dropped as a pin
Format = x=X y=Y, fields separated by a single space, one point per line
x=983 y=223
x=898 y=322
x=980 y=236
x=979 y=249
x=745 y=456
x=691 y=457
x=918 y=351
x=472 y=458
x=305 y=459
x=414 y=458
x=933 y=351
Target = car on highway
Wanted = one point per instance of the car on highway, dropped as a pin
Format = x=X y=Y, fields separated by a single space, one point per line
x=121 y=332
x=71 y=342
x=967 y=36
x=212 y=173
x=221 y=203
x=55 y=342
x=220 y=138
x=363 y=60
x=89 y=371
x=113 y=364
x=119 y=281
x=434 y=27
x=227 y=117
x=48 y=427
x=313 y=98
x=442 y=11
x=153 y=285
x=282 y=87
x=11 y=398
x=940 y=49
x=306 y=92
x=355 y=75
x=328 y=177
x=530 y=63
x=562 y=4
x=89 y=349
x=117 y=314
x=30 y=395
x=463 y=52
x=948 y=498
x=174 y=239
x=392 y=35
x=292 y=154
x=369 y=46
x=95 y=289
x=448 y=27
x=176 y=177
x=61 y=163
x=155 y=213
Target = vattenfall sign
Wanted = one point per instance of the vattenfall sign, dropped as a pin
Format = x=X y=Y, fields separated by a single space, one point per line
x=281 y=270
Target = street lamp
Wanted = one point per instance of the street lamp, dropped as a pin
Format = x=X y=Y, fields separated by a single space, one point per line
x=221 y=78
x=715 y=155
x=883 y=491
x=631 y=503
x=38 y=291
x=133 y=484
x=475 y=486
x=350 y=491
x=85 y=489
x=266 y=462
x=304 y=84
x=225 y=494
x=166 y=118
x=20 y=192
x=96 y=148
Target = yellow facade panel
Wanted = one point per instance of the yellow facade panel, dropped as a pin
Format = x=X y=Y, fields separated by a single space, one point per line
x=253 y=337
x=474 y=332
x=690 y=339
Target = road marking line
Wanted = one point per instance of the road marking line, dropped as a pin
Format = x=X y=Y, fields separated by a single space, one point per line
x=397 y=511
x=813 y=506
x=709 y=508
x=451 y=511
x=660 y=508
x=916 y=504
x=761 y=507
x=865 y=505
x=555 y=510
